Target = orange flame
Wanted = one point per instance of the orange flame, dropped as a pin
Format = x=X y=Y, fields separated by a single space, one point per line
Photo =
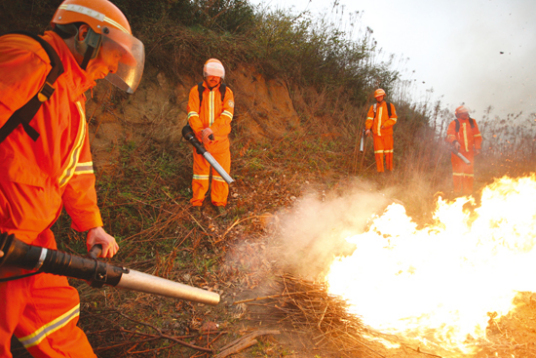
x=438 y=284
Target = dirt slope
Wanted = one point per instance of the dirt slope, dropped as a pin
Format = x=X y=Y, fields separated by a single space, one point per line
x=157 y=110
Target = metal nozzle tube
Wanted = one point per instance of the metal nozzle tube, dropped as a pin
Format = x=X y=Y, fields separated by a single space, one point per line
x=139 y=281
x=188 y=134
x=462 y=157
x=218 y=167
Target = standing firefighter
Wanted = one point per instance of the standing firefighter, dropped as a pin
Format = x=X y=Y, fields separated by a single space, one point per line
x=210 y=112
x=380 y=120
x=463 y=134
x=45 y=160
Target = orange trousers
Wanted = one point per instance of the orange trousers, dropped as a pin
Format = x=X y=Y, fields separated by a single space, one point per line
x=463 y=174
x=42 y=311
x=383 y=145
x=200 y=183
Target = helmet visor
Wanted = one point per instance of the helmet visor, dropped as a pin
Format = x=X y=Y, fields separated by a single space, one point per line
x=131 y=54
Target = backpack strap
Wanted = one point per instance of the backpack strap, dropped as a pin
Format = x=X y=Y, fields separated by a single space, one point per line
x=223 y=88
x=200 y=89
x=471 y=122
x=388 y=109
x=26 y=113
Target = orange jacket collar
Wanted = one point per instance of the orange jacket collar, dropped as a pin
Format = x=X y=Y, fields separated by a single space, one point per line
x=78 y=79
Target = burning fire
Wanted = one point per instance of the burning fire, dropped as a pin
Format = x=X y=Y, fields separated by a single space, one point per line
x=438 y=284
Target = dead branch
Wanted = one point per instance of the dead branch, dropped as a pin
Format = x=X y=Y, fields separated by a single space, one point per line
x=243 y=343
x=274 y=296
x=162 y=335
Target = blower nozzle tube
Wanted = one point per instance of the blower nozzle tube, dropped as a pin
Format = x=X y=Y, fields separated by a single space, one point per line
x=188 y=134
x=97 y=273
x=461 y=156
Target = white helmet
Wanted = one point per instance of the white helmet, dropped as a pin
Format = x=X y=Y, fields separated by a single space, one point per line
x=213 y=67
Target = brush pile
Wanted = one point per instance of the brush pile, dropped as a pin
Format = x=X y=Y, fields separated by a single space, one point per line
x=307 y=307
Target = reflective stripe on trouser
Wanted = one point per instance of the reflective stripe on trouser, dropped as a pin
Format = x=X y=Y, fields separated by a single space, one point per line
x=383 y=145
x=463 y=174
x=42 y=312
x=200 y=183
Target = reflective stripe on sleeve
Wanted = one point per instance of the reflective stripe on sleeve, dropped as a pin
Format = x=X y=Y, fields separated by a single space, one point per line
x=193 y=114
x=228 y=114
x=478 y=135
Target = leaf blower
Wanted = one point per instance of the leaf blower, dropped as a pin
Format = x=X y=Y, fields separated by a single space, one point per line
x=188 y=134
x=461 y=156
x=95 y=272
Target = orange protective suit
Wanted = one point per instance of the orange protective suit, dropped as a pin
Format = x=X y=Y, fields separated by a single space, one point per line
x=216 y=115
x=37 y=179
x=470 y=140
x=381 y=124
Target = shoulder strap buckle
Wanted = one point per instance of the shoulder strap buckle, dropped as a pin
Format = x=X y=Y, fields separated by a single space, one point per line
x=46 y=92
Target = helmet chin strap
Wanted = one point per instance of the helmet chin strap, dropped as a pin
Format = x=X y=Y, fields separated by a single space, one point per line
x=87 y=57
x=88 y=47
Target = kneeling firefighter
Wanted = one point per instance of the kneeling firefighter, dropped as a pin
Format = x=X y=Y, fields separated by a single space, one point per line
x=46 y=164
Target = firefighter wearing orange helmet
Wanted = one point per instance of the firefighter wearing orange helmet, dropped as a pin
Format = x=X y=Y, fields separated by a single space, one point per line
x=210 y=112
x=463 y=134
x=380 y=121
x=46 y=164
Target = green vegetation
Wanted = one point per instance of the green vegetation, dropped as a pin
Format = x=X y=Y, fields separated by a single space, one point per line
x=301 y=49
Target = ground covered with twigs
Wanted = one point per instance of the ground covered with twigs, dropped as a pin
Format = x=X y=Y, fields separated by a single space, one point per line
x=267 y=309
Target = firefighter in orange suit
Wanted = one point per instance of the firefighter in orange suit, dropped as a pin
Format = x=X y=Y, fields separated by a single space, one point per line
x=211 y=123
x=380 y=121
x=40 y=175
x=464 y=135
